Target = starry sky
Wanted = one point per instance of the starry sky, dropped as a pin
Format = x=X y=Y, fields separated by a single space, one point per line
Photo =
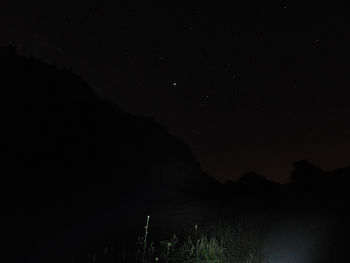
x=248 y=86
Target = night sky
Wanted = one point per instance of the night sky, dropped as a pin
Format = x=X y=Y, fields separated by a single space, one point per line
x=249 y=86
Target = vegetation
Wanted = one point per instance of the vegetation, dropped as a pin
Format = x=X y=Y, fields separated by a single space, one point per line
x=217 y=243
x=220 y=242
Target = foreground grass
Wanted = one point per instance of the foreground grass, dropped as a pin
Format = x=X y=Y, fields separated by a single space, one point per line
x=219 y=242
x=216 y=243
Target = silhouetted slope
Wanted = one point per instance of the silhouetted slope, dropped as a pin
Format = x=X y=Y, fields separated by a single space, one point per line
x=61 y=145
x=309 y=187
x=311 y=184
x=252 y=184
x=66 y=154
x=306 y=173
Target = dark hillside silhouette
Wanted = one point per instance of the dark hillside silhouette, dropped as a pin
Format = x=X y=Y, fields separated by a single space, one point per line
x=306 y=172
x=310 y=187
x=65 y=153
x=309 y=178
x=55 y=132
x=252 y=184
